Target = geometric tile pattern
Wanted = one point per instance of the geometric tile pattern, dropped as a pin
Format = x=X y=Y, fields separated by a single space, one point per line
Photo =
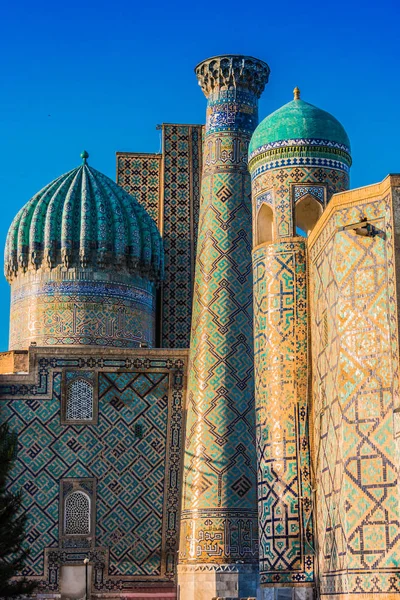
x=131 y=480
x=167 y=185
x=82 y=219
x=182 y=164
x=281 y=383
x=82 y=311
x=311 y=162
x=139 y=175
x=266 y=198
x=355 y=383
x=316 y=191
x=219 y=507
x=220 y=420
x=138 y=477
x=301 y=142
x=283 y=180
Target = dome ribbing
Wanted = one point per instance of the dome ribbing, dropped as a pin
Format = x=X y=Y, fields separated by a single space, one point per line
x=84 y=219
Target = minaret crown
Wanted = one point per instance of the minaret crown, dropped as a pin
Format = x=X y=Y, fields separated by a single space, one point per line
x=232 y=72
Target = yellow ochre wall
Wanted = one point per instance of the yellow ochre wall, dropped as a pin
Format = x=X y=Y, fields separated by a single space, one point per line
x=281 y=384
x=355 y=392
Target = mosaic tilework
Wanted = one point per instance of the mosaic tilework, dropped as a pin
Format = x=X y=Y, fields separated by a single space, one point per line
x=220 y=486
x=140 y=176
x=232 y=109
x=316 y=142
x=281 y=383
x=219 y=518
x=83 y=218
x=138 y=478
x=78 y=311
x=355 y=389
x=285 y=181
x=316 y=191
x=266 y=198
x=133 y=469
x=182 y=164
x=82 y=258
x=301 y=162
x=168 y=186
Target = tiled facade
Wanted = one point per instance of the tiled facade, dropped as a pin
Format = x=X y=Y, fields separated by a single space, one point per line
x=80 y=306
x=355 y=366
x=285 y=186
x=281 y=380
x=285 y=174
x=132 y=453
x=140 y=175
x=168 y=187
x=219 y=508
x=256 y=452
x=83 y=259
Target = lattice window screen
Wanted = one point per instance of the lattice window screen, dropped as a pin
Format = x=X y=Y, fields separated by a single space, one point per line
x=80 y=401
x=77 y=514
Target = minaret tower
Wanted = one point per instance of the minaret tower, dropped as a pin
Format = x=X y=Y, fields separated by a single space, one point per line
x=218 y=545
x=298 y=157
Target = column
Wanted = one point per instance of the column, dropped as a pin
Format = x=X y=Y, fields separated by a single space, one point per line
x=219 y=541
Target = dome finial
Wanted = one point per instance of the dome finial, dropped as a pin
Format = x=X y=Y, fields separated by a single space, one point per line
x=84 y=156
x=296 y=93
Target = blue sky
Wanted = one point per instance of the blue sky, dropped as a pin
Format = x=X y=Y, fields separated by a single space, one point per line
x=101 y=76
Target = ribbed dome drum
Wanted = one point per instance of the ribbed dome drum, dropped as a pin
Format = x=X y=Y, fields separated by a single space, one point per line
x=83 y=258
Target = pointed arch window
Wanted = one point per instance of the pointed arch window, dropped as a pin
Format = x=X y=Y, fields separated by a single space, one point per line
x=265 y=224
x=307 y=212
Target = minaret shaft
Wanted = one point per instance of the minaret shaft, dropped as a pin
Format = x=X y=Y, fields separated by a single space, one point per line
x=219 y=507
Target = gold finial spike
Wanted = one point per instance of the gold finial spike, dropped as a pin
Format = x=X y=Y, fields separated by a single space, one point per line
x=296 y=93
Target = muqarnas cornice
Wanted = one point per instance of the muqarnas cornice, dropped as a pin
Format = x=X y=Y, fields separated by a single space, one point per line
x=232 y=72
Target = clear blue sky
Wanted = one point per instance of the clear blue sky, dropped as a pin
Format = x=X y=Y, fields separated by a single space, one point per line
x=101 y=75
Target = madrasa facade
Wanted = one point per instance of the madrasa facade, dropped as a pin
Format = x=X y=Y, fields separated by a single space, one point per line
x=203 y=368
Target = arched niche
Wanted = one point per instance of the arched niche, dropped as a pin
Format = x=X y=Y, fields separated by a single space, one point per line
x=307 y=212
x=265 y=224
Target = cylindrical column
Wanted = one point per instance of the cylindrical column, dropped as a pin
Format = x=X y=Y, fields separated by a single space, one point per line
x=281 y=383
x=219 y=541
x=299 y=157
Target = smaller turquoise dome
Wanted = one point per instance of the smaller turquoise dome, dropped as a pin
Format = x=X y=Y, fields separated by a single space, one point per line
x=84 y=219
x=299 y=121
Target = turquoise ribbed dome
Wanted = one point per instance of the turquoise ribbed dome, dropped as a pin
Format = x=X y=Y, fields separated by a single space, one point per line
x=84 y=219
x=296 y=121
